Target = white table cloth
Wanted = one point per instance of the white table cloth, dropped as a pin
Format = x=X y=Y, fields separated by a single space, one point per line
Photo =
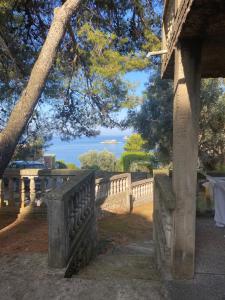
x=218 y=187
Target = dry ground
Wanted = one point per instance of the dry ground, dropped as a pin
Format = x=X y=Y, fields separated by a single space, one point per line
x=126 y=228
x=32 y=235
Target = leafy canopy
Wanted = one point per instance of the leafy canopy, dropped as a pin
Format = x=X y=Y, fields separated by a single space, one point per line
x=135 y=143
x=154 y=120
x=103 y=160
x=85 y=89
x=135 y=161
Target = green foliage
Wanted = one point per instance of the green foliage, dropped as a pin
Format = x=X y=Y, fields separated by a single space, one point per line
x=103 y=160
x=154 y=118
x=154 y=121
x=72 y=166
x=85 y=89
x=135 y=143
x=61 y=164
x=142 y=158
x=212 y=124
x=31 y=149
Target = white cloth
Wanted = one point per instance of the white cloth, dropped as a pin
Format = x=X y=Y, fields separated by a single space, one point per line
x=218 y=185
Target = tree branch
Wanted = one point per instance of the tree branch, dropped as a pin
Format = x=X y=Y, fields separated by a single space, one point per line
x=24 y=108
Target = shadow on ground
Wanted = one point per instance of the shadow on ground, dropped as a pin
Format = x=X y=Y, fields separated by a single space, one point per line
x=7 y=220
x=120 y=228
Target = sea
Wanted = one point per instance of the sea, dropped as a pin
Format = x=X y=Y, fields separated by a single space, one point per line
x=71 y=151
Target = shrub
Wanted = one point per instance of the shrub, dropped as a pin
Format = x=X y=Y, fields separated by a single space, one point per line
x=103 y=160
x=142 y=158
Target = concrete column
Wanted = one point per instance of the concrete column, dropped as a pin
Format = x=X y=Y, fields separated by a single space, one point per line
x=187 y=76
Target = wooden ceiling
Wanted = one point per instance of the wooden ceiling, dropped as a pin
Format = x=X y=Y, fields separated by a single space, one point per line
x=205 y=21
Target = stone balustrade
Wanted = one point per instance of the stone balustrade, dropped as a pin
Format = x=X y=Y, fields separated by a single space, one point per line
x=24 y=189
x=142 y=191
x=163 y=222
x=119 y=193
x=72 y=223
x=113 y=193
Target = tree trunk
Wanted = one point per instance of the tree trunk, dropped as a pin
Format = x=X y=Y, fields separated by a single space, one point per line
x=25 y=106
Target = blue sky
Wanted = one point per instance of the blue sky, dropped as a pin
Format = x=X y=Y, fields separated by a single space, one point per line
x=139 y=79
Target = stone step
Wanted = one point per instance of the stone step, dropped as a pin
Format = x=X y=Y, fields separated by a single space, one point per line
x=138 y=248
x=121 y=267
x=27 y=276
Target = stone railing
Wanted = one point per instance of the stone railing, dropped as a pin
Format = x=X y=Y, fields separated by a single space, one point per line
x=113 y=193
x=72 y=223
x=142 y=191
x=23 y=190
x=163 y=222
x=118 y=193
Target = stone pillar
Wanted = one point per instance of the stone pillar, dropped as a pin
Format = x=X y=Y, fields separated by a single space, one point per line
x=187 y=76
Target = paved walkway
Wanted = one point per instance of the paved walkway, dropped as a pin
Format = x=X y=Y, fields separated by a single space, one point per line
x=125 y=268
x=209 y=281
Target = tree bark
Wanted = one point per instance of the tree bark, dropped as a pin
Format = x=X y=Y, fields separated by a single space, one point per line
x=25 y=106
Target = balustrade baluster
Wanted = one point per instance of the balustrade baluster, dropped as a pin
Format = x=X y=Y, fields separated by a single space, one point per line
x=115 y=186
x=83 y=192
x=79 y=207
x=54 y=182
x=102 y=189
x=110 y=187
x=22 y=192
x=2 y=203
x=43 y=185
x=124 y=184
x=32 y=191
x=11 y=192
x=76 y=210
x=96 y=190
